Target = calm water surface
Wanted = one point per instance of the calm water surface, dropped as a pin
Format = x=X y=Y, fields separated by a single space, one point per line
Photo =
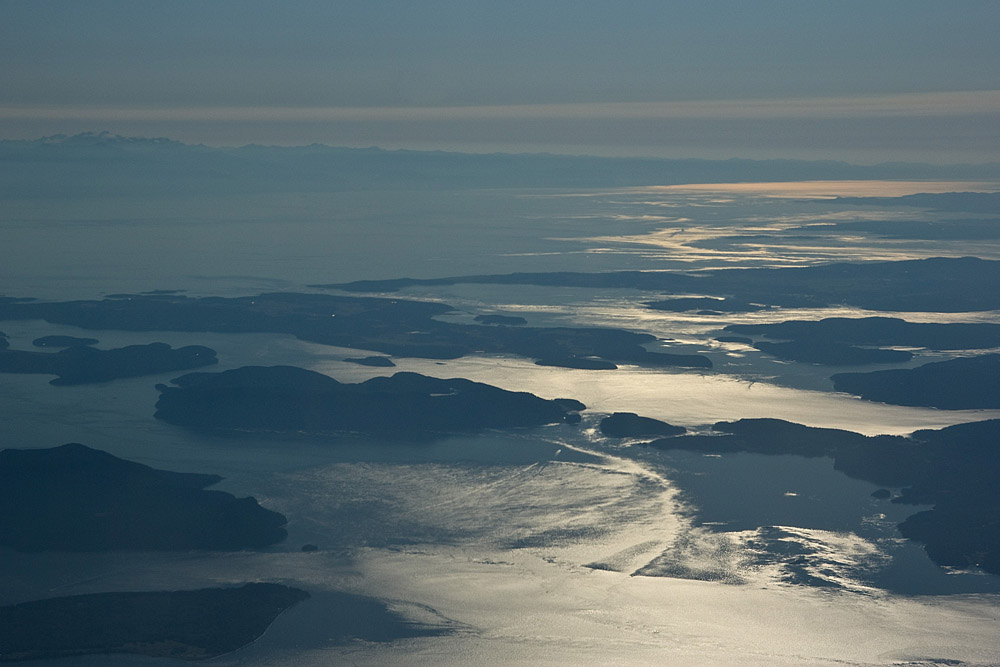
x=522 y=543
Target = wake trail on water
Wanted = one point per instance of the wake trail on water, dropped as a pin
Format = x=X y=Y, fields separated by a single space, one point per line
x=642 y=540
x=664 y=541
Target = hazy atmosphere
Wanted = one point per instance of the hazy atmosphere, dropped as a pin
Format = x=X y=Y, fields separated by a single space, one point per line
x=462 y=333
x=857 y=81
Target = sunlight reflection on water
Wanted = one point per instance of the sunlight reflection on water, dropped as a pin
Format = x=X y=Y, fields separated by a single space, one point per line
x=684 y=398
x=505 y=547
x=844 y=188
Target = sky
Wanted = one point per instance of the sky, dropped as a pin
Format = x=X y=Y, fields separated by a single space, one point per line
x=871 y=81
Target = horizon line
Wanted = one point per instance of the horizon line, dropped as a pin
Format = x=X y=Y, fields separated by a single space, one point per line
x=871 y=106
x=374 y=147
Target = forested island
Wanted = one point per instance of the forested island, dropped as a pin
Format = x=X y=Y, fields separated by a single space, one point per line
x=63 y=341
x=186 y=625
x=838 y=341
x=831 y=354
x=954 y=469
x=879 y=331
x=82 y=364
x=289 y=399
x=74 y=498
x=505 y=320
x=704 y=304
x=936 y=284
x=391 y=326
x=631 y=425
x=965 y=383
x=375 y=361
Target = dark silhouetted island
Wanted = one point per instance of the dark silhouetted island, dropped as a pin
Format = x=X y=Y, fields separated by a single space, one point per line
x=832 y=354
x=735 y=339
x=377 y=362
x=968 y=202
x=966 y=383
x=955 y=469
x=186 y=625
x=288 y=399
x=391 y=326
x=936 y=284
x=81 y=364
x=631 y=425
x=879 y=331
x=63 y=341
x=579 y=363
x=968 y=229
x=703 y=304
x=74 y=498
x=505 y=320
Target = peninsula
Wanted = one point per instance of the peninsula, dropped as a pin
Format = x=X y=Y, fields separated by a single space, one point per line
x=631 y=425
x=831 y=353
x=82 y=364
x=965 y=383
x=186 y=625
x=953 y=469
x=395 y=327
x=880 y=332
x=936 y=284
x=74 y=498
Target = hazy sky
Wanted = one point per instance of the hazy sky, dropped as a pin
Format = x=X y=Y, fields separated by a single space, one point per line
x=868 y=81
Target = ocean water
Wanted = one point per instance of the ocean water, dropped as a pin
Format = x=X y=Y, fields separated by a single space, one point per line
x=551 y=546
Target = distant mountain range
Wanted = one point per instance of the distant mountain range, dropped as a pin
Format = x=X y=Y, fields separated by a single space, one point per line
x=106 y=164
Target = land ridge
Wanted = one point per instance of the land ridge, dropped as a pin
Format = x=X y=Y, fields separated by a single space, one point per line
x=75 y=498
x=186 y=625
x=936 y=284
x=295 y=400
x=953 y=469
x=392 y=326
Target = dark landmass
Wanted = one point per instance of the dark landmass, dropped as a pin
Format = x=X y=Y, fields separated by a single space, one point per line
x=579 y=363
x=631 y=425
x=63 y=341
x=716 y=306
x=966 y=202
x=967 y=383
x=880 y=331
x=288 y=399
x=734 y=339
x=766 y=436
x=73 y=498
x=882 y=494
x=957 y=474
x=186 y=625
x=507 y=320
x=351 y=618
x=570 y=405
x=938 y=284
x=751 y=241
x=921 y=230
x=99 y=164
x=832 y=354
x=81 y=364
x=392 y=326
x=954 y=469
x=4 y=343
x=379 y=362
